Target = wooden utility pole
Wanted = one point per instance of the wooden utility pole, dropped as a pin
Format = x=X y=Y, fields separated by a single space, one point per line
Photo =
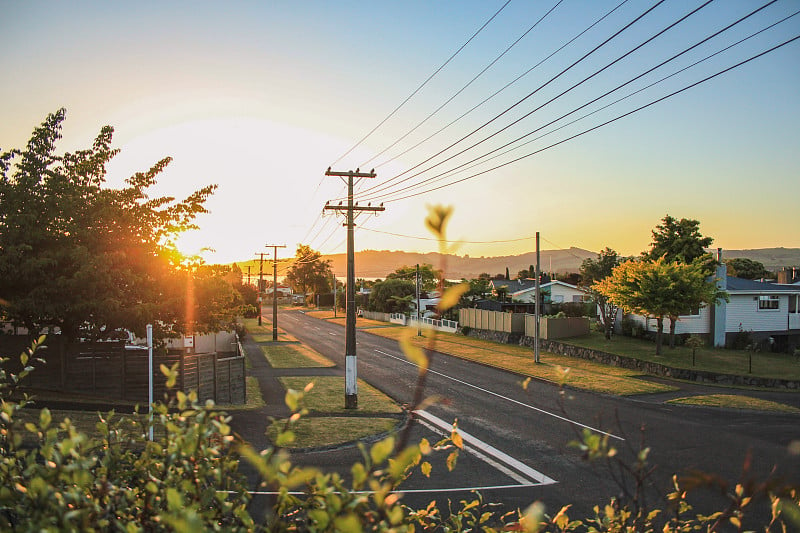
x=419 y=318
x=538 y=305
x=260 y=283
x=351 y=382
x=275 y=288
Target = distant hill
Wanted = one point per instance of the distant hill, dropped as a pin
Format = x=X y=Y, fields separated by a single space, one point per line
x=379 y=263
x=376 y=264
x=771 y=258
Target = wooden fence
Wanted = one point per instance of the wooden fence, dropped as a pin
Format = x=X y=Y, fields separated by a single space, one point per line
x=492 y=320
x=113 y=372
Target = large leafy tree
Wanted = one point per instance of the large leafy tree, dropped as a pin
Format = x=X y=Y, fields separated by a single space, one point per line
x=678 y=240
x=83 y=257
x=429 y=276
x=391 y=296
x=658 y=288
x=593 y=271
x=741 y=267
x=309 y=272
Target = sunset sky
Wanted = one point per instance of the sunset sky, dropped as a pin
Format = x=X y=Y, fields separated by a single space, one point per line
x=261 y=97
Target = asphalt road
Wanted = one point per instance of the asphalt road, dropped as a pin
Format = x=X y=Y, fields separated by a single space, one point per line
x=518 y=439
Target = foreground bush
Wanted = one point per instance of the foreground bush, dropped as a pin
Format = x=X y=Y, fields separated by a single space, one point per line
x=188 y=479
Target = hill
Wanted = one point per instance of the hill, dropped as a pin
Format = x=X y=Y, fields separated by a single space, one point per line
x=378 y=263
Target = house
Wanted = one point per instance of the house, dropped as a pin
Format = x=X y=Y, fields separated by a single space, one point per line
x=283 y=291
x=524 y=291
x=769 y=311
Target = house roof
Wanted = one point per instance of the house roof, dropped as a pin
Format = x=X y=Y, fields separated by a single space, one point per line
x=735 y=284
x=517 y=286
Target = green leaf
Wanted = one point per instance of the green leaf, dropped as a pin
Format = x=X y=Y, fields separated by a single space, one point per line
x=426 y=468
x=285 y=438
x=45 y=418
x=451 y=460
x=381 y=450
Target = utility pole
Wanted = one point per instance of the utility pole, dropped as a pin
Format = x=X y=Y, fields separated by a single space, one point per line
x=260 y=283
x=419 y=326
x=538 y=305
x=274 y=288
x=248 y=274
x=351 y=383
x=334 y=295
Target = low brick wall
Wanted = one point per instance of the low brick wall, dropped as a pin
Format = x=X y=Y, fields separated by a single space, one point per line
x=655 y=369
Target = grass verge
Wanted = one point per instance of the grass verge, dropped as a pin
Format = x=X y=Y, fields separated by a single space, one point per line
x=734 y=401
x=582 y=374
x=294 y=356
x=327 y=396
x=332 y=430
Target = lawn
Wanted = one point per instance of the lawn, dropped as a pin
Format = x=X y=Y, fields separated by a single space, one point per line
x=716 y=360
x=332 y=430
x=734 y=401
x=327 y=396
x=294 y=356
x=581 y=374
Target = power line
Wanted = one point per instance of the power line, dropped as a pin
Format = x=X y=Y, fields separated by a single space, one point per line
x=468 y=164
x=602 y=124
x=529 y=95
x=462 y=89
x=551 y=100
x=448 y=241
x=506 y=86
x=390 y=115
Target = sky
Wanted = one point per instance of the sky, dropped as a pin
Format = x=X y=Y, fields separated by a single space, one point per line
x=261 y=98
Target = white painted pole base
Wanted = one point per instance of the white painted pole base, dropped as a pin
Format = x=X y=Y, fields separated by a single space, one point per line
x=350 y=383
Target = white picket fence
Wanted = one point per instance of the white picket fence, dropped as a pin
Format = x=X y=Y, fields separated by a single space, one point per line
x=450 y=326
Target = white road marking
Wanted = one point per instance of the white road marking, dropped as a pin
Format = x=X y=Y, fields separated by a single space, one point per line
x=548 y=413
x=489 y=450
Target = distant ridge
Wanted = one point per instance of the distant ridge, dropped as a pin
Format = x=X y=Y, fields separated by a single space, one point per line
x=379 y=263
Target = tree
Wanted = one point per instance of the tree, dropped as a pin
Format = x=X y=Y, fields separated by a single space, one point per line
x=678 y=240
x=82 y=257
x=429 y=276
x=309 y=272
x=593 y=271
x=659 y=288
x=741 y=267
x=391 y=296
x=681 y=241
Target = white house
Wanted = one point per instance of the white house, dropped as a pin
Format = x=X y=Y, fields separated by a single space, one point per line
x=767 y=310
x=524 y=291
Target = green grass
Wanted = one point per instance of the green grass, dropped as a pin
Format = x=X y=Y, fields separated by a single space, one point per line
x=331 y=430
x=716 y=360
x=582 y=374
x=733 y=401
x=327 y=396
x=294 y=356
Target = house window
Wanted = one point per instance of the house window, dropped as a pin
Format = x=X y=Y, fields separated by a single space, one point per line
x=793 y=301
x=766 y=303
x=693 y=312
x=582 y=298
